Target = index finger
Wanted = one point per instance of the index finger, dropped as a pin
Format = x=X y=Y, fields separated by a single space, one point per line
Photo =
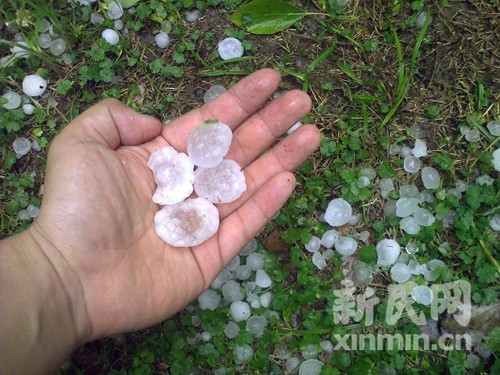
x=232 y=107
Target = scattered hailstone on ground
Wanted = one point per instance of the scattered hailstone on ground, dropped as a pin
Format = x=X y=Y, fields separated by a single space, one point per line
x=362 y=182
x=423 y=217
x=411 y=164
x=118 y=24
x=313 y=245
x=430 y=178
x=58 y=46
x=209 y=300
x=256 y=325
x=187 y=223
x=231 y=291
x=496 y=159
x=472 y=361
x=255 y=261
x=22 y=50
x=409 y=225
x=173 y=173
x=96 y=19
x=223 y=183
x=346 y=246
x=387 y=252
x=368 y=172
x=319 y=260
x=213 y=92
x=494 y=127
x=13 y=100
x=192 y=16
x=386 y=186
x=115 y=10
x=471 y=135
x=406 y=206
x=34 y=85
x=329 y=238
x=242 y=353
x=338 y=212
x=249 y=248
x=162 y=40
x=21 y=146
x=28 y=109
x=310 y=367
x=420 y=149
x=394 y=149
x=111 y=37
x=400 y=273
x=209 y=143
x=231 y=330
x=230 y=48
x=240 y=311
x=495 y=223
x=44 y=41
x=262 y=279
x=292 y=365
x=421 y=18
x=408 y=191
x=405 y=151
x=362 y=273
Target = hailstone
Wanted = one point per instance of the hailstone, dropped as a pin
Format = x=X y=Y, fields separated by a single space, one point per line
x=230 y=48
x=111 y=36
x=34 y=85
x=173 y=173
x=209 y=143
x=188 y=223
x=223 y=183
x=162 y=40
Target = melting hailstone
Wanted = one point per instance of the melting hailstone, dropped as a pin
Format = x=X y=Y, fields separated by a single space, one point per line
x=162 y=40
x=223 y=183
x=13 y=100
x=346 y=246
x=34 y=85
x=494 y=127
x=173 y=173
x=242 y=353
x=400 y=273
x=230 y=48
x=187 y=223
x=338 y=212
x=111 y=37
x=430 y=178
x=387 y=252
x=422 y=294
x=115 y=10
x=58 y=46
x=208 y=144
x=21 y=146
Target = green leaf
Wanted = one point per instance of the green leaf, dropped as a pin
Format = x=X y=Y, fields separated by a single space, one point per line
x=124 y=3
x=266 y=16
x=368 y=254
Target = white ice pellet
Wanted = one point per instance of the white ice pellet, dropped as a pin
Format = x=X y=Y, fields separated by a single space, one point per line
x=411 y=248
x=430 y=178
x=421 y=18
x=400 y=273
x=33 y=211
x=409 y=225
x=406 y=206
x=411 y=164
x=496 y=159
x=213 y=92
x=111 y=37
x=484 y=180
x=223 y=183
x=187 y=223
x=242 y=353
x=231 y=291
x=368 y=172
x=34 y=85
x=292 y=365
x=310 y=351
x=115 y=10
x=240 y=311
x=231 y=330
x=390 y=208
x=262 y=279
x=472 y=361
x=96 y=19
x=329 y=238
x=494 y=127
x=420 y=149
x=249 y=248
x=386 y=186
x=233 y=264
x=221 y=278
x=173 y=173
x=67 y=58
x=209 y=143
x=265 y=299
x=13 y=100
x=43 y=26
x=294 y=127
x=281 y=351
x=23 y=215
x=363 y=236
x=243 y=272
x=405 y=151
x=21 y=146
x=192 y=16
x=362 y=274
x=423 y=217
x=21 y=50
x=206 y=336
x=416 y=131
x=255 y=261
x=346 y=246
x=408 y=191
x=162 y=40
x=256 y=325
x=44 y=41
x=394 y=149
x=495 y=223
x=338 y=212
x=422 y=294
x=326 y=346
x=355 y=219
x=28 y=109
x=387 y=252
x=230 y=48
x=118 y=24
x=362 y=182
x=209 y=300
x=58 y=46
x=472 y=135
x=319 y=260
x=310 y=367
x=313 y=245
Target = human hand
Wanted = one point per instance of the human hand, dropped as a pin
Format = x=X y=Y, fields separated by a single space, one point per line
x=96 y=218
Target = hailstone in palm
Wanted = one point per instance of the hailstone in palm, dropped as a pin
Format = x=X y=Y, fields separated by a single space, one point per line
x=209 y=143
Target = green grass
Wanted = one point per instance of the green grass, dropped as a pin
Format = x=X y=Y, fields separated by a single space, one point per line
x=371 y=75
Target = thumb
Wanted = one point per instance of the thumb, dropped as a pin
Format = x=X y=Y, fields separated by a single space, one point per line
x=111 y=123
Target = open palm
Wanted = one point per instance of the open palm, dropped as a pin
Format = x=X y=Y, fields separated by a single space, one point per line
x=97 y=209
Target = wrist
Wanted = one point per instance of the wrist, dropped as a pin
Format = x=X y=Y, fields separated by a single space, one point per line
x=43 y=317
